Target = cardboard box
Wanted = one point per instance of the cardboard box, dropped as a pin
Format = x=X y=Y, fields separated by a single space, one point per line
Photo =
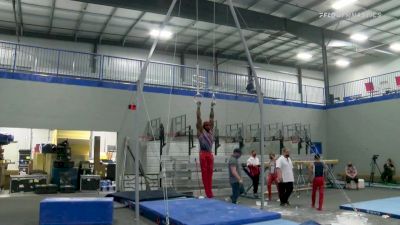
x=102 y=171
x=7 y=174
x=38 y=161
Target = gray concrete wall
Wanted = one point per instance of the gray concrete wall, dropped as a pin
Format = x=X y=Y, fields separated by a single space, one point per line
x=358 y=132
x=55 y=106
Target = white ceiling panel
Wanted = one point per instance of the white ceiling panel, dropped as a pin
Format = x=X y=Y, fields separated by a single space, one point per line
x=6 y=6
x=38 y=2
x=35 y=19
x=73 y=15
x=66 y=4
x=95 y=18
x=115 y=30
x=127 y=13
x=62 y=23
x=90 y=27
x=35 y=10
x=4 y=15
x=7 y=24
x=121 y=22
x=59 y=31
x=100 y=9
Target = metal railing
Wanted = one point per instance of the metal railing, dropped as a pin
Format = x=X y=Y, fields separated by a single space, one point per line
x=380 y=85
x=54 y=62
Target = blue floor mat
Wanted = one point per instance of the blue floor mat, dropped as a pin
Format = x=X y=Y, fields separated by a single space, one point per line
x=276 y=222
x=204 y=212
x=386 y=206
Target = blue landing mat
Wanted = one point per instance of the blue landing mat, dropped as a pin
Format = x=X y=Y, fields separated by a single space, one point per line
x=386 y=206
x=76 y=211
x=275 y=222
x=204 y=212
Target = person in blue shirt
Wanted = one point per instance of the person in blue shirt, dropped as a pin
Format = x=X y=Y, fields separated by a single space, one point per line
x=318 y=173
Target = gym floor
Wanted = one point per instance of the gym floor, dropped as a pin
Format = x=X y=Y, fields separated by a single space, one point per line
x=23 y=209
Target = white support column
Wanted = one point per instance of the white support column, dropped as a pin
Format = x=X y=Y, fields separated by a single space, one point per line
x=136 y=119
x=259 y=95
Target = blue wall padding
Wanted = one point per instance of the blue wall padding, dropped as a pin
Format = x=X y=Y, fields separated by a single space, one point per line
x=76 y=211
x=204 y=212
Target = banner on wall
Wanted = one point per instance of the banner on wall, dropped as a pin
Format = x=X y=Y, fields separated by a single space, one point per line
x=317 y=148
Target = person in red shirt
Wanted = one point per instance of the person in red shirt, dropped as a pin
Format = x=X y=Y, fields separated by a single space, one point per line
x=205 y=134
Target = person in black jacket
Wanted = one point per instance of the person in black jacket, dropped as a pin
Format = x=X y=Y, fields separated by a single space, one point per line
x=388 y=171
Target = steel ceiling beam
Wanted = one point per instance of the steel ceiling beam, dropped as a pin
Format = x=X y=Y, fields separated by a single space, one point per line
x=255 y=20
x=79 y=22
x=234 y=44
x=219 y=40
x=132 y=27
x=205 y=33
x=53 y=6
x=309 y=6
x=15 y=19
x=21 y=20
x=252 y=47
x=106 y=23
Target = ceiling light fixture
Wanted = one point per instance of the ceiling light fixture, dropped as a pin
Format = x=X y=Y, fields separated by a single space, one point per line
x=342 y=62
x=304 y=56
x=342 y=3
x=337 y=43
x=359 y=37
x=164 y=34
x=395 y=47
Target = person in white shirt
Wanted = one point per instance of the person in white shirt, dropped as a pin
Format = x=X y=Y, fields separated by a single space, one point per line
x=284 y=167
x=253 y=165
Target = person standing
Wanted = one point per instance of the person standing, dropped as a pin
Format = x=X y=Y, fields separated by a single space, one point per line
x=235 y=178
x=318 y=171
x=284 y=167
x=351 y=174
x=162 y=135
x=388 y=171
x=272 y=175
x=253 y=164
x=206 y=140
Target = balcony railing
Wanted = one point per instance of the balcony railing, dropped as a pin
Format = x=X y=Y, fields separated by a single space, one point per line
x=55 y=62
x=381 y=85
